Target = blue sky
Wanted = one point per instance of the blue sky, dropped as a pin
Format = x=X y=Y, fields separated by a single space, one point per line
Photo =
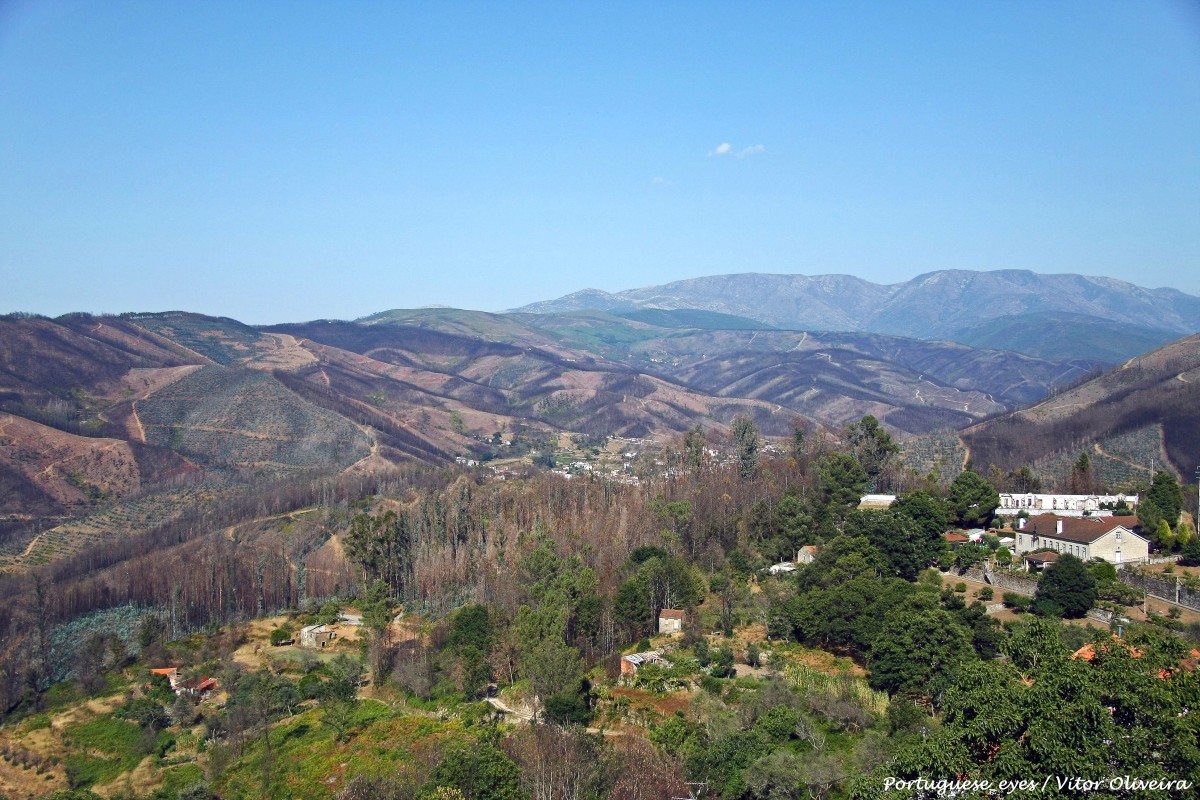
x=280 y=161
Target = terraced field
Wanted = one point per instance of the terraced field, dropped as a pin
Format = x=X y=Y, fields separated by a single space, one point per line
x=119 y=519
x=225 y=341
x=243 y=418
x=1118 y=461
x=940 y=452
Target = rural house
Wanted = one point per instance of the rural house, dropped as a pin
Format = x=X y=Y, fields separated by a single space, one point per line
x=630 y=664
x=670 y=620
x=195 y=686
x=1108 y=538
x=316 y=636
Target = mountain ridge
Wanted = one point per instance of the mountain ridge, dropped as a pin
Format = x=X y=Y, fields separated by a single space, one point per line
x=942 y=304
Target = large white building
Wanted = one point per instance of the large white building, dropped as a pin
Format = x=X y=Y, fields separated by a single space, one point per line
x=1065 y=505
x=1109 y=538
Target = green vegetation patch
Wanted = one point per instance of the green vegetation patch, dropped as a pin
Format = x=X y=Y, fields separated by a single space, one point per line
x=109 y=735
x=118 y=741
x=181 y=777
x=35 y=723
x=809 y=681
x=304 y=756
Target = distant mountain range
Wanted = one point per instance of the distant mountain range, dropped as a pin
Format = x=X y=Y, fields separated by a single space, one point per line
x=1056 y=316
x=115 y=424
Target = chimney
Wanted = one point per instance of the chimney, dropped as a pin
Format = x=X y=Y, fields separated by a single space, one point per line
x=1058 y=526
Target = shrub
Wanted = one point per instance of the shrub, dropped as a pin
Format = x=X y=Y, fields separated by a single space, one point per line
x=1017 y=602
x=753 y=655
x=986 y=593
x=1048 y=608
x=1069 y=585
x=960 y=587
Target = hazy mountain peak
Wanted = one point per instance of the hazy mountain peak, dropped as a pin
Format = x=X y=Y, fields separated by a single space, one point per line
x=934 y=305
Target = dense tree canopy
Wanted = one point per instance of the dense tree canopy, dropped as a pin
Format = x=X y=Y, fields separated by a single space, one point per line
x=842 y=482
x=1126 y=712
x=972 y=500
x=1068 y=585
x=871 y=446
x=908 y=547
x=918 y=642
x=1163 y=502
x=746 y=444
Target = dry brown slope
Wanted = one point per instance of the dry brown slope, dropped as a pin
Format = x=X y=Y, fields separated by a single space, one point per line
x=1161 y=388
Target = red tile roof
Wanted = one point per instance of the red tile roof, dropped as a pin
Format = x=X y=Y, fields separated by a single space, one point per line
x=670 y=613
x=1044 y=558
x=1083 y=530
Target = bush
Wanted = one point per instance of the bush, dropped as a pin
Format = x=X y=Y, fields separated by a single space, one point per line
x=1190 y=553
x=986 y=593
x=280 y=636
x=1069 y=585
x=1048 y=609
x=1017 y=602
x=753 y=655
x=960 y=587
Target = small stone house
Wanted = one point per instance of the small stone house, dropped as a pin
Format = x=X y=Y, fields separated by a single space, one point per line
x=630 y=664
x=807 y=554
x=670 y=620
x=316 y=636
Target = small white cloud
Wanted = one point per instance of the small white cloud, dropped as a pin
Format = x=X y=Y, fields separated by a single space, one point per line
x=726 y=149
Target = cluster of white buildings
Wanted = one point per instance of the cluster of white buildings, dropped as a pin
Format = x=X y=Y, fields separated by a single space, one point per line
x=1064 y=505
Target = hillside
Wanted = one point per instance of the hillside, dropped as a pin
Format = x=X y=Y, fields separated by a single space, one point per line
x=100 y=411
x=949 y=304
x=1143 y=413
x=457 y=651
x=834 y=378
x=1065 y=335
